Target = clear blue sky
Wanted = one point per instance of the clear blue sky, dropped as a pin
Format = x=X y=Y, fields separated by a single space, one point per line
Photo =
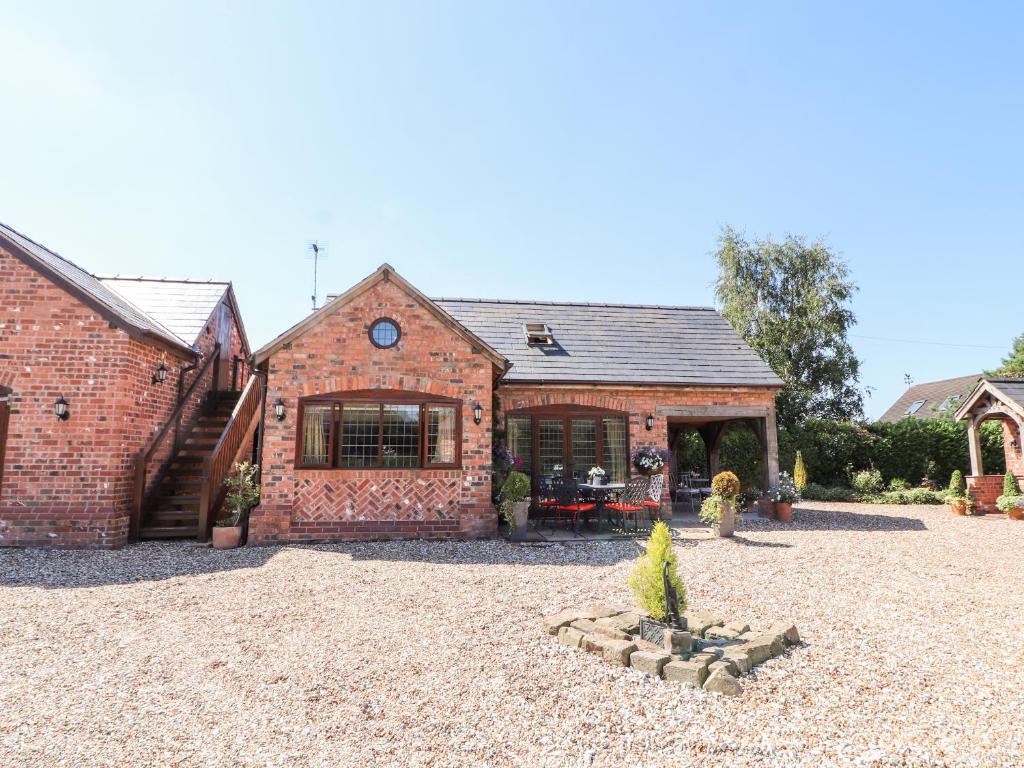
x=577 y=151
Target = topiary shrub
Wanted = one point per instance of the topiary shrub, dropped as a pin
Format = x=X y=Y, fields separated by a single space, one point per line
x=726 y=485
x=1010 y=485
x=800 y=472
x=646 y=580
x=957 y=488
x=515 y=489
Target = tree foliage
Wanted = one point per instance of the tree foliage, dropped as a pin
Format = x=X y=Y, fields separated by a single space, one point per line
x=1013 y=363
x=790 y=302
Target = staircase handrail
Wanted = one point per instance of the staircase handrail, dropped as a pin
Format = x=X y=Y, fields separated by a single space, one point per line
x=217 y=464
x=144 y=455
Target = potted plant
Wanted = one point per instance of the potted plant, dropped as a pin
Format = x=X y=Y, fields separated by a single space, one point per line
x=596 y=476
x=649 y=460
x=956 y=497
x=515 y=504
x=1011 y=501
x=784 y=495
x=243 y=493
x=719 y=509
x=765 y=507
x=648 y=583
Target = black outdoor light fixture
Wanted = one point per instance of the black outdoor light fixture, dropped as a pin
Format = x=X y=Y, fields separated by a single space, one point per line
x=649 y=423
x=478 y=413
x=160 y=376
x=279 y=409
x=60 y=409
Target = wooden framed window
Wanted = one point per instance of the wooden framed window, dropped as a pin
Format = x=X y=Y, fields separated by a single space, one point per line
x=378 y=429
x=5 y=416
x=569 y=440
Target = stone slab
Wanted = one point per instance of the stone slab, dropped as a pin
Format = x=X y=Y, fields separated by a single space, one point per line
x=685 y=672
x=618 y=651
x=724 y=683
x=648 y=662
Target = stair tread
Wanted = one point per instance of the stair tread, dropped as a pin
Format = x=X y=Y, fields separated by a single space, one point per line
x=169 y=532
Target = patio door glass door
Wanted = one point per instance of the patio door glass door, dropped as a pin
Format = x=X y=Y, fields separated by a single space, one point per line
x=551 y=446
x=583 y=447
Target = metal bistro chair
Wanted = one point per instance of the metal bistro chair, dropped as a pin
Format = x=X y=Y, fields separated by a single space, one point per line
x=547 y=498
x=632 y=503
x=688 y=490
x=653 y=500
x=570 y=506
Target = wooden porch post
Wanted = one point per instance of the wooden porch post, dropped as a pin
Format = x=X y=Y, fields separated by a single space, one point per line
x=974 y=444
x=771 y=448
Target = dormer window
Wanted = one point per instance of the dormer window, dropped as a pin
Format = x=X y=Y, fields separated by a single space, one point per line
x=538 y=334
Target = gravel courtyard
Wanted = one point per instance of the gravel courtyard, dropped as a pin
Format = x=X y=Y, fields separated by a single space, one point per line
x=418 y=654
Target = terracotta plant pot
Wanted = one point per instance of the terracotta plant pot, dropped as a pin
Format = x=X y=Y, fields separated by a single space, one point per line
x=784 y=512
x=520 y=514
x=227 y=536
x=765 y=508
x=1016 y=514
x=958 y=506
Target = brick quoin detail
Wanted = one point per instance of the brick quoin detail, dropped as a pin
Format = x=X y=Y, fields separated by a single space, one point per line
x=336 y=356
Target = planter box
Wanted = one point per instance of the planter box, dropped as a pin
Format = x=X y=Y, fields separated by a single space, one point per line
x=652 y=631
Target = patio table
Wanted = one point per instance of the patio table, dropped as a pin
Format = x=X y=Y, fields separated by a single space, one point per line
x=600 y=494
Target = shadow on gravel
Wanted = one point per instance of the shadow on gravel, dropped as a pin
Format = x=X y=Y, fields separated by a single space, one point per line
x=149 y=561
x=752 y=543
x=598 y=554
x=810 y=519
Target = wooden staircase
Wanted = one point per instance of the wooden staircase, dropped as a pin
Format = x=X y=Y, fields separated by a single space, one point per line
x=178 y=497
x=173 y=510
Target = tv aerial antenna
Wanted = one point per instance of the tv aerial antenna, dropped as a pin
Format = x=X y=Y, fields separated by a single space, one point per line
x=317 y=249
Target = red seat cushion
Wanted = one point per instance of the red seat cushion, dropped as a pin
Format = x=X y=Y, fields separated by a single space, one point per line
x=620 y=506
x=549 y=503
x=652 y=503
x=577 y=508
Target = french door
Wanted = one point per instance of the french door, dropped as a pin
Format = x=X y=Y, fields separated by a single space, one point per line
x=553 y=442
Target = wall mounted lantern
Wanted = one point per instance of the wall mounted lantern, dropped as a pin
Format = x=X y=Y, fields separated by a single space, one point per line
x=649 y=422
x=478 y=413
x=160 y=376
x=60 y=409
x=279 y=409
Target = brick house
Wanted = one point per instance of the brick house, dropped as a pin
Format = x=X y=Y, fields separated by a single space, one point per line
x=379 y=417
x=931 y=399
x=92 y=371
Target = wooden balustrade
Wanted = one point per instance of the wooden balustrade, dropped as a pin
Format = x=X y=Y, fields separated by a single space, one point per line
x=217 y=465
x=144 y=456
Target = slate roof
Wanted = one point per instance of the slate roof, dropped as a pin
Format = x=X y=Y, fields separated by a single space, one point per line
x=182 y=306
x=65 y=271
x=614 y=343
x=170 y=311
x=934 y=394
x=1012 y=388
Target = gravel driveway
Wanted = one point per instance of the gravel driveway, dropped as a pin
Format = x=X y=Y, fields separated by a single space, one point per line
x=418 y=654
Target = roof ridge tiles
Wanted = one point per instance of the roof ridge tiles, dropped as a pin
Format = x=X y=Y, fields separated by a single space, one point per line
x=570 y=303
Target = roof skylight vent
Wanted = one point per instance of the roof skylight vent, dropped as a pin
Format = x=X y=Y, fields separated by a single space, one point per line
x=538 y=334
x=915 y=407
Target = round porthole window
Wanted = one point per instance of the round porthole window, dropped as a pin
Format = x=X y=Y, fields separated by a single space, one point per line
x=385 y=333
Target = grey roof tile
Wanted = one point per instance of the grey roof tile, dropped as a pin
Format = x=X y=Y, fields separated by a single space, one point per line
x=183 y=306
x=89 y=284
x=615 y=343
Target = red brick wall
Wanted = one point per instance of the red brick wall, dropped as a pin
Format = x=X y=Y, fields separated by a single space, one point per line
x=985 y=489
x=638 y=402
x=69 y=483
x=1014 y=454
x=337 y=356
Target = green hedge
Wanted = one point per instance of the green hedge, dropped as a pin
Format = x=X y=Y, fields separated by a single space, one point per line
x=909 y=450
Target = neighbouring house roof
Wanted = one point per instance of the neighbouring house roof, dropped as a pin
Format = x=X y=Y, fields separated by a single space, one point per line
x=932 y=399
x=995 y=391
x=162 y=314
x=614 y=343
x=383 y=273
x=182 y=306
